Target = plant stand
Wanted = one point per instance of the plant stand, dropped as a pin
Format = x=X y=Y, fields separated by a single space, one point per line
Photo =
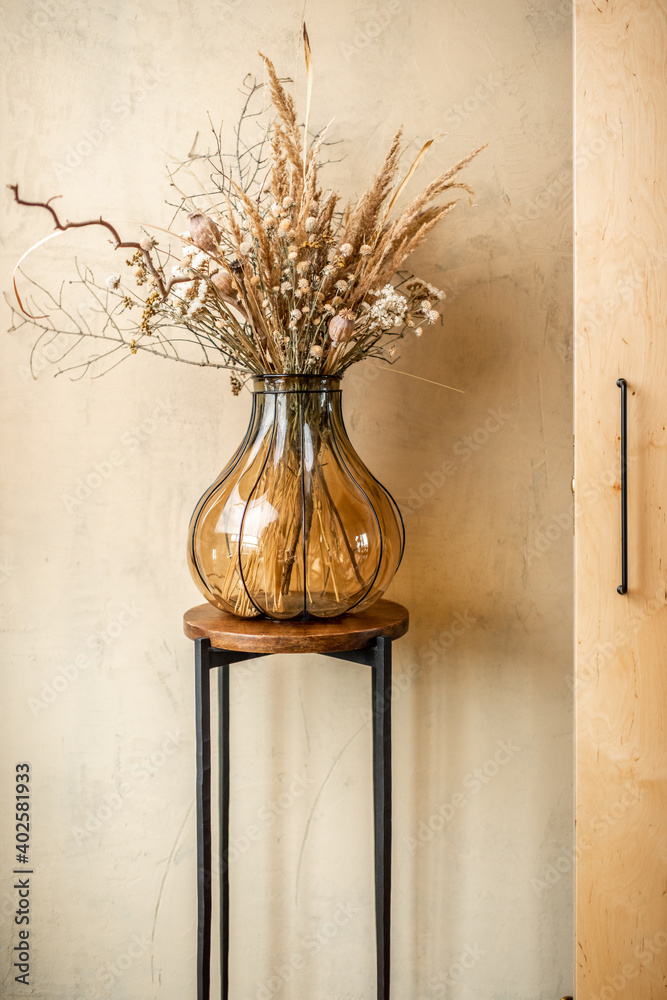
x=221 y=640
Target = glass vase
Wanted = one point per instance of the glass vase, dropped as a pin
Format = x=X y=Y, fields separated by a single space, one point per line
x=295 y=526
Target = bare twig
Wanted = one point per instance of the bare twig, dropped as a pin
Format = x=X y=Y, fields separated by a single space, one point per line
x=117 y=242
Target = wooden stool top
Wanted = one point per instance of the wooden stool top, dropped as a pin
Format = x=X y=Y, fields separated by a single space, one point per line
x=321 y=635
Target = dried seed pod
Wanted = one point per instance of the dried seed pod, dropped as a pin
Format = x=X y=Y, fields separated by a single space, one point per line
x=341 y=327
x=224 y=284
x=227 y=290
x=204 y=233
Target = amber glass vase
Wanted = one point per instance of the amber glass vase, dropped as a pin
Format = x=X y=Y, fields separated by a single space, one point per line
x=295 y=526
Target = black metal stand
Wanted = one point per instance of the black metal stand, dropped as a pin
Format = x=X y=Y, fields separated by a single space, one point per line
x=378 y=657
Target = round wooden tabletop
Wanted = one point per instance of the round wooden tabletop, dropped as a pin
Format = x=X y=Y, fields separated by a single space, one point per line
x=319 y=635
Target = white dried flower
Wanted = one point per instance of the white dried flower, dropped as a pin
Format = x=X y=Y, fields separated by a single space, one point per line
x=433 y=316
x=311 y=224
x=112 y=282
x=196 y=307
x=185 y=235
x=292 y=255
x=365 y=250
x=303 y=285
x=418 y=332
x=389 y=309
x=437 y=293
x=246 y=247
x=275 y=208
x=302 y=266
x=284 y=227
x=189 y=251
x=288 y=202
x=295 y=315
x=346 y=250
x=147 y=243
x=425 y=306
x=316 y=352
x=341 y=286
x=200 y=260
x=285 y=286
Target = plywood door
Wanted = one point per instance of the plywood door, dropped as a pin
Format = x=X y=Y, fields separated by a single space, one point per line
x=621 y=665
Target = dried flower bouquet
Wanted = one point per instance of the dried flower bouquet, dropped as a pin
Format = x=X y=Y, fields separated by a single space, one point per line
x=273 y=277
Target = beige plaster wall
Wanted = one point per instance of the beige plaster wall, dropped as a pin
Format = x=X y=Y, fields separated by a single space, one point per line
x=96 y=674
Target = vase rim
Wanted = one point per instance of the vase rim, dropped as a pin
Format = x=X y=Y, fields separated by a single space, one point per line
x=296 y=383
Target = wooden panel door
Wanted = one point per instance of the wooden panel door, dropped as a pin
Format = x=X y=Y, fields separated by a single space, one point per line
x=621 y=663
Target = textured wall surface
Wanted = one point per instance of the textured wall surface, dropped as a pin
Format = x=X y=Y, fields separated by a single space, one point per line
x=99 y=478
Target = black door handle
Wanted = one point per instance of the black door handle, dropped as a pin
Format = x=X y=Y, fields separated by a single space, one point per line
x=623 y=386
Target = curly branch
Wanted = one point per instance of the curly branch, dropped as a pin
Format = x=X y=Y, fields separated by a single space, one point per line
x=117 y=242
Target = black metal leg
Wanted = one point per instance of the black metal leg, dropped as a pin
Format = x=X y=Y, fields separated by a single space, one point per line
x=379 y=657
x=381 y=696
x=203 y=731
x=223 y=730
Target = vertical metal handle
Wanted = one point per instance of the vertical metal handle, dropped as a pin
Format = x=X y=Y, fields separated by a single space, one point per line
x=623 y=386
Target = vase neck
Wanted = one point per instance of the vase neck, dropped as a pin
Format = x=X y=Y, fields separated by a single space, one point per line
x=295 y=383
